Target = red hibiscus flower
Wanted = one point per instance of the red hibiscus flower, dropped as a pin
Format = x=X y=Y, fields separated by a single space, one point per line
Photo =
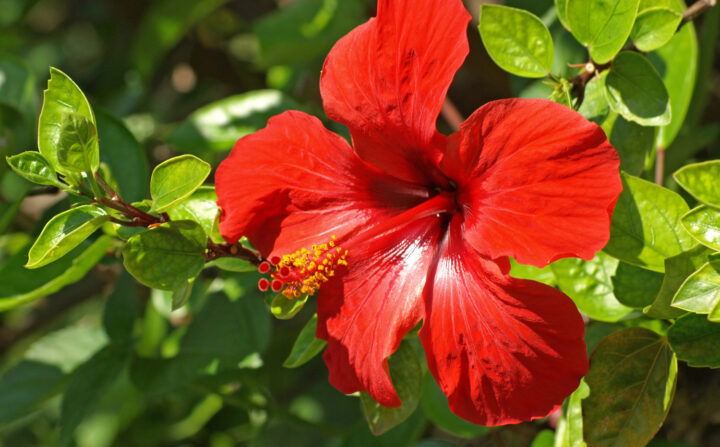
x=426 y=222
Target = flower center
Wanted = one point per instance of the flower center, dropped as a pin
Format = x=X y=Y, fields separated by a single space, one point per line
x=303 y=272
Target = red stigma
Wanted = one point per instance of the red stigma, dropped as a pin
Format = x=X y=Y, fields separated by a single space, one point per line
x=263 y=284
x=264 y=267
x=276 y=285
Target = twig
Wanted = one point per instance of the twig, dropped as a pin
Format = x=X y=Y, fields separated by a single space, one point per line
x=660 y=166
x=696 y=9
x=236 y=250
x=452 y=115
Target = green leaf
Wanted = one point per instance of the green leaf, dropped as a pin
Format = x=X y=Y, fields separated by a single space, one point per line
x=306 y=346
x=636 y=287
x=34 y=167
x=176 y=179
x=121 y=309
x=65 y=232
x=305 y=30
x=18 y=88
x=589 y=285
x=654 y=27
x=602 y=25
x=677 y=269
x=232 y=265
x=61 y=98
x=21 y=285
x=632 y=381
x=645 y=225
x=88 y=385
x=636 y=91
x=182 y=295
x=217 y=126
x=544 y=275
x=283 y=308
x=703 y=223
x=570 y=426
x=435 y=405
x=202 y=208
x=701 y=181
x=632 y=141
x=163 y=25
x=167 y=256
x=700 y=293
x=677 y=63
x=125 y=157
x=696 y=341
x=407 y=377
x=516 y=40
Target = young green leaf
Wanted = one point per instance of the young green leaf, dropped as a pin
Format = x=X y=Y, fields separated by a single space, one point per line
x=182 y=295
x=677 y=63
x=700 y=292
x=677 y=269
x=217 y=126
x=407 y=377
x=516 y=40
x=696 y=341
x=306 y=345
x=703 y=223
x=636 y=287
x=632 y=381
x=176 y=179
x=34 y=167
x=636 y=91
x=601 y=25
x=65 y=232
x=78 y=149
x=645 y=225
x=61 y=98
x=589 y=285
x=595 y=105
x=284 y=308
x=202 y=208
x=544 y=275
x=701 y=181
x=561 y=8
x=167 y=256
x=654 y=27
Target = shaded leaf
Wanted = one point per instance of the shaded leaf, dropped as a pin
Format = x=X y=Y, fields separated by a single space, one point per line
x=632 y=141
x=636 y=287
x=696 y=341
x=700 y=292
x=121 y=309
x=570 y=426
x=435 y=405
x=636 y=91
x=632 y=381
x=202 y=208
x=407 y=377
x=78 y=149
x=167 y=256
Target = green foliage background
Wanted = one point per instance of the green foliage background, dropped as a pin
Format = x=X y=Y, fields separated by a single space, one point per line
x=91 y=358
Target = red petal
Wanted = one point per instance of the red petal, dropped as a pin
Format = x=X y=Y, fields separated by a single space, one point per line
x=387 y=80
x=364 y=313
x=537 y=181
x=503 y=350
x=294 y=184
